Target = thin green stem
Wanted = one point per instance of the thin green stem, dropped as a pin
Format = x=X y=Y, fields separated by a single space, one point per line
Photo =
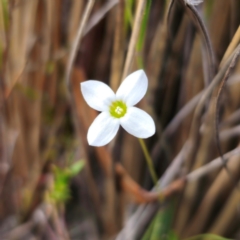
x=149 y=161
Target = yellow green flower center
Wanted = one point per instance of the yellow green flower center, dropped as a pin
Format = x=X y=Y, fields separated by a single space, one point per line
x=118 y=109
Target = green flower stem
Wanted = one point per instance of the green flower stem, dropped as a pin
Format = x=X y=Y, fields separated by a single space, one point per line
x=149 y=161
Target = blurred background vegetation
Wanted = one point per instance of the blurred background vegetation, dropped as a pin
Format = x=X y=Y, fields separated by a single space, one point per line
x=53 y=185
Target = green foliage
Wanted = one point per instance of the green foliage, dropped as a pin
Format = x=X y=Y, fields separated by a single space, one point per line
x=160 y=227
x=60 y=192
x=173 y=236
x=128 y=16
x=144 y=26
x=207 y=237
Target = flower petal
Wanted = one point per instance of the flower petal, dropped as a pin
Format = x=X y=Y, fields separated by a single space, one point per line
x=133 y=88
x=98 y=95
x=103 y=129
x=138 y=123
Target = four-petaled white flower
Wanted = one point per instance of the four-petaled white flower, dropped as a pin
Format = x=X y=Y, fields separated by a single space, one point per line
x=117 y=109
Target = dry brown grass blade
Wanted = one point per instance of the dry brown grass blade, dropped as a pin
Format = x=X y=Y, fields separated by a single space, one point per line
x=77 y=40
x=75 y=13
x=218 y=190
x=221 y=88
x=226 y=219
x=231 y=120
x=134 y=37
x=156 y=53
x=21 y=107
x=168 y=14
x=186 y=110
x=233 y=44
x=196 y=175
x=85 y=115
x=18 y=51
x=145 y=213
x=219 y=36
x=118 y=48
x=207 y=41
x=228 y=134
x=52 y=119
x=211 y=166
x=130 y=144
x=194 y=141
x=194 y=131
x=7 y=147
x=25 y=14
x=173 y=169
x=202 y=156
x=99 y=15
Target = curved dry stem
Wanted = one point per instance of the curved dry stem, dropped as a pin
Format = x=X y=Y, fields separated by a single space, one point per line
x=203 y=30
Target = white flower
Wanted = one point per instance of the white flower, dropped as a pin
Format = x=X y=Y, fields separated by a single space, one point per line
x=193 y=2
x=117 y=109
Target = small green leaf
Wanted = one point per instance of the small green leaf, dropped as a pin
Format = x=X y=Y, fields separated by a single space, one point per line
x=76 y=167
x=61 y=192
